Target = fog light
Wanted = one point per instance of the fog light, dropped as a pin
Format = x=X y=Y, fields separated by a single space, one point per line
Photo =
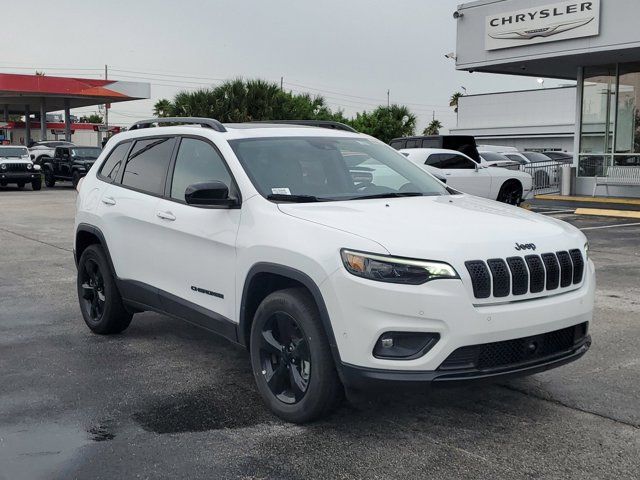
x=404 y=345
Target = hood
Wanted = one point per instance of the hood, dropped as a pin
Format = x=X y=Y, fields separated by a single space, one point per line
x=452 y=228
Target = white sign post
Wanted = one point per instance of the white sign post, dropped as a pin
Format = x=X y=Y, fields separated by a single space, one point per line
x=547 y=23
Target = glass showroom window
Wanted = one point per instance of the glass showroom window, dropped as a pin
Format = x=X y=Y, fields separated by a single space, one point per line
x=597 y=129
x=627 y=137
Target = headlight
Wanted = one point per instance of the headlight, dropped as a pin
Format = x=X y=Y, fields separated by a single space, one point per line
x=383 y=268
x=3 y=166
x=29 y=166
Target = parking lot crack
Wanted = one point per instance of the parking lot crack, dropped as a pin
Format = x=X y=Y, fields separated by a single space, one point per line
x=36 y=240
x=572 y=407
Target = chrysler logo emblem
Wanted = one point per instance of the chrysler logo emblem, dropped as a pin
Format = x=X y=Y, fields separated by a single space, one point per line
x=541 y=32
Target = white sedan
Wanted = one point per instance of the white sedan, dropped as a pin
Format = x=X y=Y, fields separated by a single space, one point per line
x=465 y=175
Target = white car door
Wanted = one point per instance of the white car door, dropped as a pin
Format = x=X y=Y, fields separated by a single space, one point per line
x=128 y=208
x=462 y=173
x=197 y=244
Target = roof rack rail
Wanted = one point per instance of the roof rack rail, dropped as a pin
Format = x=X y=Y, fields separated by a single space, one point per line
x=203 y=122
x=313 y=123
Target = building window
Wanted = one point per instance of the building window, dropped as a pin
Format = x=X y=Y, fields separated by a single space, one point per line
x=610 y=130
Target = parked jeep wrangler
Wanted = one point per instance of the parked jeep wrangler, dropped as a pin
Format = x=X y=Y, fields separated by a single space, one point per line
x=69 y=163
x=16 y=167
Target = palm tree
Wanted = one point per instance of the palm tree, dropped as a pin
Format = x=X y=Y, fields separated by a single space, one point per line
x=433 y=128
x=453 y=102
x=163 y=108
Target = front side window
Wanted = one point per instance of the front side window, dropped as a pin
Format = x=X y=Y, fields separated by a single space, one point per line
x=147 y=165
x=197 y=162
x=111 y=166
x=450 y=161
x=324 y=169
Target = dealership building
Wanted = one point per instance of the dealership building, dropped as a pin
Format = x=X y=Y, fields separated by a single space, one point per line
x=595 y=43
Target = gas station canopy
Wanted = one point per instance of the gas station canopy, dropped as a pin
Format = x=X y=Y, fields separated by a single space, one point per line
x=21 y=92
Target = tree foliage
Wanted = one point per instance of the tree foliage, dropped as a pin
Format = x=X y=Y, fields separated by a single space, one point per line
x=453 y=102
x=433 y=128
x=385 y=123
x=258 y=100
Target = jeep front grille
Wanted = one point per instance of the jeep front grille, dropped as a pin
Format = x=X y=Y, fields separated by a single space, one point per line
x=531 y=274
x=15 y=167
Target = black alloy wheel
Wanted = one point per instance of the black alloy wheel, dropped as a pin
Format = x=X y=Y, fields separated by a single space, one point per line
x=285 y=358
x=93 y=297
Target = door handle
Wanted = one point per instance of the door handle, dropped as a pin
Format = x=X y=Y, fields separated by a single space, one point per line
x=108 y=200
x=166 y=216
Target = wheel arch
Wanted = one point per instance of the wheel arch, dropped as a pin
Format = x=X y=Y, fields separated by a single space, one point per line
x=266 y=278
x=90 y=235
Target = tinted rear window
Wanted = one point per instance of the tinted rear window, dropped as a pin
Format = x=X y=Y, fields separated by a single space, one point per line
x=147 y=165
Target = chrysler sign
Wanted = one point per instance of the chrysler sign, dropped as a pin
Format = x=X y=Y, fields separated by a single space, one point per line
x=547 y=23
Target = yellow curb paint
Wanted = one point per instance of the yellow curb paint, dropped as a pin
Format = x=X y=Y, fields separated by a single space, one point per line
x=619 y=201
x=608 y=213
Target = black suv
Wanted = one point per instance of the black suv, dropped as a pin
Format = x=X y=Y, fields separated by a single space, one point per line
x=69 y=163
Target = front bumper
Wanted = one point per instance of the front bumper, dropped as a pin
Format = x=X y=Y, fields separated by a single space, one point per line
x=368 y=378
x=361 y=311
x=14 y=177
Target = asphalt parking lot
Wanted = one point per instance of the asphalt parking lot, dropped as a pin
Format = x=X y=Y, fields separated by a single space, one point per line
x=165 y=400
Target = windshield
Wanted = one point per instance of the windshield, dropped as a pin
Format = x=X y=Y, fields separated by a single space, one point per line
x=16 y=152
x=536 y=157
x=323 y=169
x=86 y=152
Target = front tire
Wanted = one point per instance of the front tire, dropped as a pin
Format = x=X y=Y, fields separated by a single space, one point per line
x=36 y=184
x=510 y=193
x=20 y=185
x=100 y=301
x=49 y=179
x=291 y=358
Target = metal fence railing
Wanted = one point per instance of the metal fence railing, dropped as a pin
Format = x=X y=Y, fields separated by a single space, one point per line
x=546 y=176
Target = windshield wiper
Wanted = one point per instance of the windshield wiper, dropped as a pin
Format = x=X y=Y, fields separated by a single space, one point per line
x=281 y=197
x=390 y=195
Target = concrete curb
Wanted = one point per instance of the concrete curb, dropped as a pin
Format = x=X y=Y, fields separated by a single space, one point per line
x=600 y=212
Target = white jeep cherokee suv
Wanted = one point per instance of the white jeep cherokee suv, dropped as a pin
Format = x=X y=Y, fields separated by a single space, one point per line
x=331 y=278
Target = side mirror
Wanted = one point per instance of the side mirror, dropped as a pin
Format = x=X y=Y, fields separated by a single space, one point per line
x=209 y=194
x=33 y=157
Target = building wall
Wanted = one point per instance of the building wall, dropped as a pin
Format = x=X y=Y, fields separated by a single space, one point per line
x=528 y=120
x=80 y=137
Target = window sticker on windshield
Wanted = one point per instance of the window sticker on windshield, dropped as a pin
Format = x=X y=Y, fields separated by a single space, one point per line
x=281 y=191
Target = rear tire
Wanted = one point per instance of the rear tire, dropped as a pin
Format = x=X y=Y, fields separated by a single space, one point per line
x=49 y=179
x=291 y=358
x=100 y=301
x=76 y=179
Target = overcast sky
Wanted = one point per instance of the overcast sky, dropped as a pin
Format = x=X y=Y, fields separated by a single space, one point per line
x=351 y=52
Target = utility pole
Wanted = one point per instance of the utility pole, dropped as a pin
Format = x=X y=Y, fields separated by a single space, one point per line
x=281 y=84
x=388 y=98
x=434 y=115
x=106 y=105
